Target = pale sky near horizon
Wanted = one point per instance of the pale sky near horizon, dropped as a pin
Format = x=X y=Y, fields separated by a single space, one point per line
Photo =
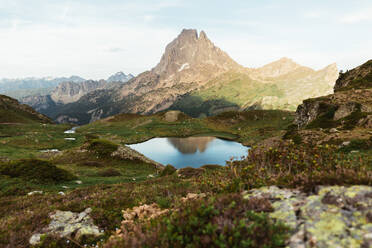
x=96 y=38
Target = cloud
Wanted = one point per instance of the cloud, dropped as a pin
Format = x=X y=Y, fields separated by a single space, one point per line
x=356 y=17
x=115 y=50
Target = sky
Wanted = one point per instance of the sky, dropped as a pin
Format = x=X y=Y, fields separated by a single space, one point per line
x=97 y=38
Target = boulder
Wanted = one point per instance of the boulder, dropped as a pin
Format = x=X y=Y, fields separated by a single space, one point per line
x=66 y=224
x=335 y=216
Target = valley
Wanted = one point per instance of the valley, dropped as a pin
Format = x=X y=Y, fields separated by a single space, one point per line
x=72 y=173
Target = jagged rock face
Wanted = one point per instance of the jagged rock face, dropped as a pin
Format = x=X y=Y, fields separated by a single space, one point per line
x=120 y=77
x=192 y=52
x=189 y=62
x=358 y=78
x=39 y=103
x=344 y=102
x=68 y=92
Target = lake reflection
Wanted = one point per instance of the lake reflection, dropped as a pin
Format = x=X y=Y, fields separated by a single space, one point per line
x=191 y=151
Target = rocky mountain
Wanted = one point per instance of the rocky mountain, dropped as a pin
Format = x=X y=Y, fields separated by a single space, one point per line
x=282 y=84
x=345 y=115
x=68 y=92
x=353 y=96
x=22 y=87
x=120 y=77
x=198 y=78
x=11 y=112
x=64 y=93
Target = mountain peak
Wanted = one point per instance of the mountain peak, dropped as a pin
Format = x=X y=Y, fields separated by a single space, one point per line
x=120 y=77
x=192 y=33
x=277 y=68
x=192 y=51
x=203 y=35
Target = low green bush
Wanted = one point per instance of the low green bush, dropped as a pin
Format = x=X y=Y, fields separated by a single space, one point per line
x=226 y=221
x=102 y=148
x=168 y=170
x=211 y=167
x=35 y=170
x=189 y=172
x=291 y=165
x=358 y=144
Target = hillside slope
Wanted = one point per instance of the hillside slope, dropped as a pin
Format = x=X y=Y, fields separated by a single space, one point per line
x=11 y=111
x=343 y=118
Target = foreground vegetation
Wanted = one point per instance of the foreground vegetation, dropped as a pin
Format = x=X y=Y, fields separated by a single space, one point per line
x=85 y=174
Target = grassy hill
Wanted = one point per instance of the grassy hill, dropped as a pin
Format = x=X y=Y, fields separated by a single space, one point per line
x=11 y=111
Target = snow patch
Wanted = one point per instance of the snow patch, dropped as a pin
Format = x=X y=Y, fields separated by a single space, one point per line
x=184 y=66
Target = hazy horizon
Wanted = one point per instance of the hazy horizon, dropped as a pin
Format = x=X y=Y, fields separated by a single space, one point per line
x=95 y=39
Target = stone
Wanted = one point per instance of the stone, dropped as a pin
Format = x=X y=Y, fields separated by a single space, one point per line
x=345 y=143
x=335 y=216
x=36 y=192
x=172 y=116
x=333 y=130
x=66 y=224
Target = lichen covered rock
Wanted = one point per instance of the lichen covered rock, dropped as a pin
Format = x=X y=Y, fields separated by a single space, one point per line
x=66 y=224
x=333 y=217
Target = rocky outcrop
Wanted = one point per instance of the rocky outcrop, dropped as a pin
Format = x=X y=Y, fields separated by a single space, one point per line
x=332 y=217
x=353 y=96
x=357 y=78
x=125 y=152
x=39 y=103
x=66 y=224
x=68 y=92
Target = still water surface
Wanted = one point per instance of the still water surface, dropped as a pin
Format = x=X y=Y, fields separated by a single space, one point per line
x=191 y=151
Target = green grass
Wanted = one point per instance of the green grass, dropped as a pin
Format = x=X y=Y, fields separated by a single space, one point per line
x=246 y=127
x=27 y=140
x=229 y=91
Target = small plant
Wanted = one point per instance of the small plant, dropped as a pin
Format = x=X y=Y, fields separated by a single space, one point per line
x=211 y=167
x=102 y=148
x=358 y=144
x=189 y=172
x=168 y=170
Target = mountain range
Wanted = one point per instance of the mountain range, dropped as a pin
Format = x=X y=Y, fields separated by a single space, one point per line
x=32 y=86
x=196 y=77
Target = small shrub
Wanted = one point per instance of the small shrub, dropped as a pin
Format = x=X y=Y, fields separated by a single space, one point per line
x=189 y=172
x=290 y=165
x=92 y=164
x=163 y=202
x=212 y=167
x=228 y=221
x=357 y=144
x=110 y=172
x=168 y=170
x=90 y=137
x=35 y=170
x=102 y=148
